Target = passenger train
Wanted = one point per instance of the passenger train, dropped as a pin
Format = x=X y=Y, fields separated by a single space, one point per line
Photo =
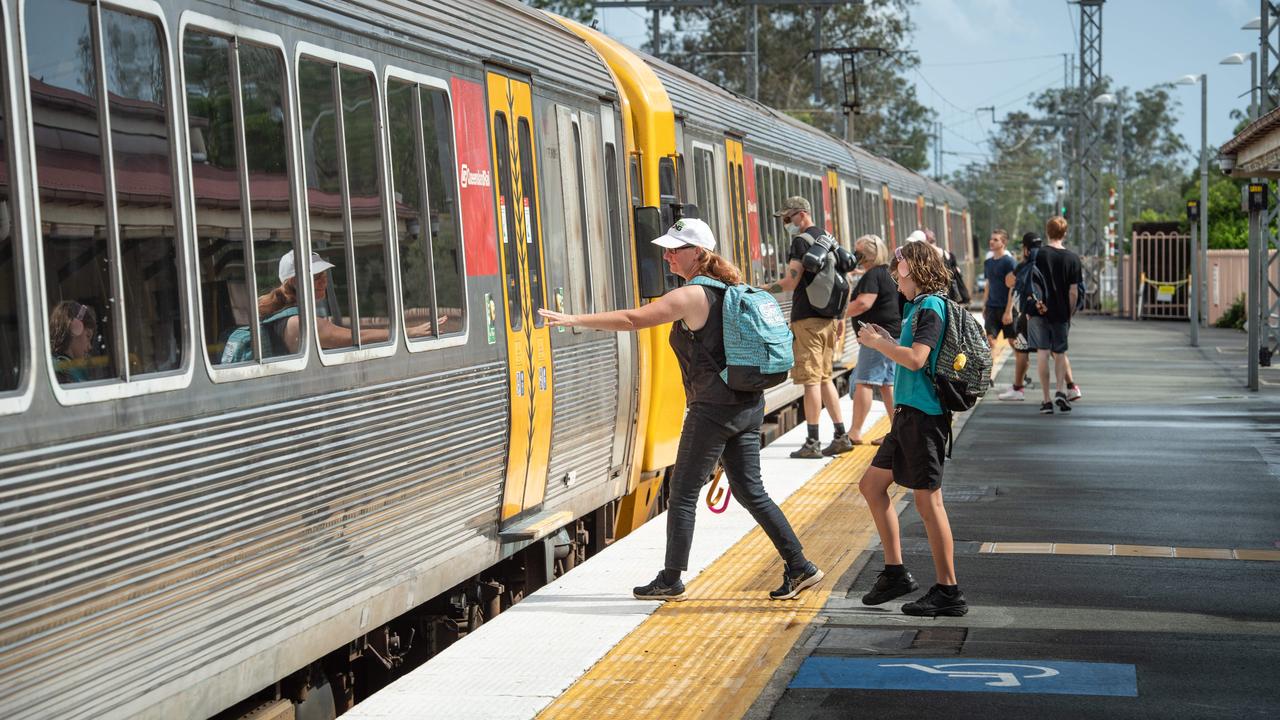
x=182 y=535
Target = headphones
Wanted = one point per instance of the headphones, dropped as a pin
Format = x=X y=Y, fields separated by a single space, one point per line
x=77 y=323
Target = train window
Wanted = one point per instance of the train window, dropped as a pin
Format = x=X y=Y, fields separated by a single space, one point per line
x=11 y=325
x=344 y=193
x=115 y=266
x=507 y=222
x=704 y=179
x=637 y=191
x=533 y=231
x=781 y=243
x=762 y=212
x=419 y=119
x=231 y=296
x=667 y=180
x=578 y=173
x=616 y=228
x=743 y=233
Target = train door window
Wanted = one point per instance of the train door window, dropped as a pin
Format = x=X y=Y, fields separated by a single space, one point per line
x=507 y=221
x=12 y=341
x=704 y=180
x=762 y=212
x=106 y=201
x=537 y=293
x=234 y=90
x=419 y=121
x=591 y=176
x=340 y=149
x=617 y=229
x=744 y=232
x=781 y=243
x=580 y=258
x=637 y=190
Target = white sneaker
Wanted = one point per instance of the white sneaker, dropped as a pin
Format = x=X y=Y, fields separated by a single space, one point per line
x=1012 y=394
x=1074 y=394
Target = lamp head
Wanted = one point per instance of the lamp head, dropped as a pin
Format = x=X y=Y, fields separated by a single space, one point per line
x=1254 y=24
x=1105 y=99
x=1188 y=80
x=1234 y=59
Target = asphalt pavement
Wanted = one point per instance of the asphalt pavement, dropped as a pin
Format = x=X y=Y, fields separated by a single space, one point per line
x=1120 y=561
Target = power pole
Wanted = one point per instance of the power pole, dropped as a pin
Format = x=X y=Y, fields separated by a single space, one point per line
x=755 y=52
x=849 y=73
x=1264 y=268
x=1089 y=235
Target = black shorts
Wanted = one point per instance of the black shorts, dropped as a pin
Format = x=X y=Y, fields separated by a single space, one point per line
x=914 y=449
x=993 y=323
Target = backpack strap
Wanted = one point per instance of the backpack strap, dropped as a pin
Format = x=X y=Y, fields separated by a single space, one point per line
x=931 y=367
x=707 y=281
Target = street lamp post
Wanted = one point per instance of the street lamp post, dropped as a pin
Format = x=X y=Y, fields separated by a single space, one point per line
x=1252 y=59
x=1199 y=250
x=1115 y=99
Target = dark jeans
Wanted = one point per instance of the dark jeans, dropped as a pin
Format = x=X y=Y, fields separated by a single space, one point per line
x=730 y=433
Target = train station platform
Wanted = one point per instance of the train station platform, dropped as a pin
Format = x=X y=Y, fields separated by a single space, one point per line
x=1119 y=561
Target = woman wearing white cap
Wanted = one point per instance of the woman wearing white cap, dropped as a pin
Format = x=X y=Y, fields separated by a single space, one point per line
x=275 y=307
x=722 y=424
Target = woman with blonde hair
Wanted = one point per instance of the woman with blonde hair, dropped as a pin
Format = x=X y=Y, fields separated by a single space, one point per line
x=722 y=424
x=875 y=302
x=914 y=449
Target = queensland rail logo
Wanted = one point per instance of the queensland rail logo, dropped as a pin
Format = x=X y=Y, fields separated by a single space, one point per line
x=466 y=178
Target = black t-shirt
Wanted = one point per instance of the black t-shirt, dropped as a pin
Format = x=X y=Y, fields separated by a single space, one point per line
x=926 y=327
x=800 y=307
x=1061 y=270
x=885 y=311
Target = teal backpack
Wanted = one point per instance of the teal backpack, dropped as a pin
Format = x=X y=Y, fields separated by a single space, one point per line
x=239 y=345
x=757 y=337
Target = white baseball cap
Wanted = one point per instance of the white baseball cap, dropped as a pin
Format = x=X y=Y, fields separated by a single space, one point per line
x=917 y=236
x=688 y=231
x=287 y=269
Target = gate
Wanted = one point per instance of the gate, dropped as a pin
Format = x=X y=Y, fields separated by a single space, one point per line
x=1160 y=274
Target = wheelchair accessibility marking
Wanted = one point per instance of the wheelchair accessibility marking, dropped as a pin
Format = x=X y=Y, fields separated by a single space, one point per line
x=1046 y=677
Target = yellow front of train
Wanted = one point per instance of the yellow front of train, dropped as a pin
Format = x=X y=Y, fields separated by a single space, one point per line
x=650 y=139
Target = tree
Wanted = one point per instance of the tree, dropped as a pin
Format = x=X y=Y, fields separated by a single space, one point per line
x=713 y=43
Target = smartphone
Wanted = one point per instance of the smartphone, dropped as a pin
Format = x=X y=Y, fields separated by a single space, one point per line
x=860 y=324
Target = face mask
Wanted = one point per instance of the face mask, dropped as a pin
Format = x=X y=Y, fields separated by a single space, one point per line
x=792 y=229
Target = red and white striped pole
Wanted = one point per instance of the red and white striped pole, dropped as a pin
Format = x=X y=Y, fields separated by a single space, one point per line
x=1111 y=224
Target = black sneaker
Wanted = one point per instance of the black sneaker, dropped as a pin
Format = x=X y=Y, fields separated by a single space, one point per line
x=1061 y=401
x=1046 y=408
x=810 y=450
x=889 y=586
x=792 y=585
x=937 y=602
x=840 y=444
x=659 y=590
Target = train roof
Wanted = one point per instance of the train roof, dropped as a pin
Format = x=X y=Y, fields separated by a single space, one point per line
x=504 y=32
x=697 y=98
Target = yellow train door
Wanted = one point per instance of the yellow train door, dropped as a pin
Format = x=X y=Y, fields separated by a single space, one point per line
x=528 y=338
x=737 y=205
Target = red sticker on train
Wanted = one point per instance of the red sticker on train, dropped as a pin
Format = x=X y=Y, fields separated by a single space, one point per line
x=471 y=127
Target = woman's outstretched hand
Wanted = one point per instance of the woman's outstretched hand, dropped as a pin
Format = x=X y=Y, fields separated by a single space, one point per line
x=555 y=319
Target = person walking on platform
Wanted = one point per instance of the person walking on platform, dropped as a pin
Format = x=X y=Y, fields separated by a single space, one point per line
x=1016 y=315
x=914 y=450
x=875 y=300
x=1048 y=331
x=995 y=302
x=721 y=425
x=816 y=332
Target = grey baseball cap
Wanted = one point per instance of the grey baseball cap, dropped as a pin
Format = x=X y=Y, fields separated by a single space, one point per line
x=792 y=204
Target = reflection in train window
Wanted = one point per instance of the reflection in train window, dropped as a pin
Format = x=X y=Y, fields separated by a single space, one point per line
x=230 y=296
x=11 y=321
x=137 y=303
x=419 y=119
x=344 y=197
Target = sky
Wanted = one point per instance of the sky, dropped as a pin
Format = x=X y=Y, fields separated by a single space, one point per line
x=976 y=53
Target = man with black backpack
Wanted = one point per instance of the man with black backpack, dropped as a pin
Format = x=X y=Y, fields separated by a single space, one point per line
x=1027 y=291
x=816 y=276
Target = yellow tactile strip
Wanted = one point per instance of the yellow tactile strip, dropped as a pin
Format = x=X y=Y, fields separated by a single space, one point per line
x=710 y=656
x=1051 y=548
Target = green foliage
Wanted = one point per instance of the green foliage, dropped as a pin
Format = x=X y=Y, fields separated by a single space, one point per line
x=712 y=42
x=1234 y=317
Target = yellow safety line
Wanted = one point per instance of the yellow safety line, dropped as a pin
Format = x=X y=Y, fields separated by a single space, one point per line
x=711 y=655
x=1120 y=550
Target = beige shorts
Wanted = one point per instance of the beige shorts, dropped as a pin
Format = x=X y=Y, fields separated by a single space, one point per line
x=814 y=348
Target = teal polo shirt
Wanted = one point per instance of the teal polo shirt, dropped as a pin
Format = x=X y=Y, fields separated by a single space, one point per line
x=913 y=387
